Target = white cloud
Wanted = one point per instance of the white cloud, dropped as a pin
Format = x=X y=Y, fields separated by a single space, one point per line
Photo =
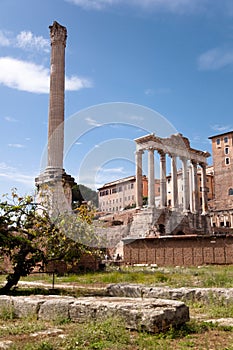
x=220 y=128
x=76 y=83
x=4 y=166
x=215 y=59
x=4 y=39
x=25 y=40
x=10 y=119
x=28 y=76
x=16 y=145
x=92 y=122
x=22 y=75
x=94 y=4
x=158 y=91
x=117 y=170
x=10 y=173
x=175 y=6
x=28 y=41
x=18 y=177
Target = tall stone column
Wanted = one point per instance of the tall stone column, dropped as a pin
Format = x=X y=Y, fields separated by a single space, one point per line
x=151 y=178
x=139 y=178
x=191 y=188
x=195 y=188
x=204 y=189
x=185 y=185
x=163 y=180
x=174 y=182
x=58 y=35
x=54 y=185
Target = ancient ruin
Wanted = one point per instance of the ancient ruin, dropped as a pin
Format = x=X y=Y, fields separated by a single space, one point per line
x=54 y=185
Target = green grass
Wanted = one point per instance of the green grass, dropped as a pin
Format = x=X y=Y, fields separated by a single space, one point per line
x=112 y=334
x=205 y=276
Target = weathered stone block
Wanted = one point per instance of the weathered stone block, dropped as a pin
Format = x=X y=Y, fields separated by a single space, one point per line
x=56 y=308
x=25 y=307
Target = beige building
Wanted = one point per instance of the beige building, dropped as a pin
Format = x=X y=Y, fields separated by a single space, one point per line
x=180 y=185
x=221 y=208
x=120 y=194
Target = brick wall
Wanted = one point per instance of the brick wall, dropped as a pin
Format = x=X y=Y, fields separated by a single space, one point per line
x=179 y=251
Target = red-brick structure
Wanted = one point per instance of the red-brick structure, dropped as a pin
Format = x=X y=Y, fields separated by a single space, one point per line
x=179 y=250
x=221 y=207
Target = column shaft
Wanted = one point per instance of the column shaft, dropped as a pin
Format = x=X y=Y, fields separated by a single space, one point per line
x=151 y=178
x=195 y=188
x=163 y=181
x=139 y=179
x=185 y=185
x=58 y=36
x=174 y=182
x=191 y=188
x=204 y=189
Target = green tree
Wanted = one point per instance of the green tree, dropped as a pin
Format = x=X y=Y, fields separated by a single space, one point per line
x=29 y=237
x=82 y=193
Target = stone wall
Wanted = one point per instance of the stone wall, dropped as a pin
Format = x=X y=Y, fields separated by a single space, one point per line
x=179 y=250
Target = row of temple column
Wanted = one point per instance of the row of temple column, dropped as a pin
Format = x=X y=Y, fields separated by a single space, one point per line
x=190 y=201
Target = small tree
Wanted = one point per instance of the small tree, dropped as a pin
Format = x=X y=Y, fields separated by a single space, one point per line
x=28 y=236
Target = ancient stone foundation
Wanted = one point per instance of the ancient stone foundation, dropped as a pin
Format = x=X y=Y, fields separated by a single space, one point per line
x=151 y=315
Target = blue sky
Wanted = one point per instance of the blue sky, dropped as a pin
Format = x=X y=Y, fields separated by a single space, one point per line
x=171 y=56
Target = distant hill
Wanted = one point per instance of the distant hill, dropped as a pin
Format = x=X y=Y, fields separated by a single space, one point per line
x=82 y=193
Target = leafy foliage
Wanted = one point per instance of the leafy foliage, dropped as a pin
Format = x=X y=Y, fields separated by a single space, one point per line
x=29 y=237
x=82 y=193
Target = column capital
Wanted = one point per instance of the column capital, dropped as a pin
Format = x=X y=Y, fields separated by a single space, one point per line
x=139 y=151
x=193 y=162
x=58 y=33
x=161 y=152
x=203 y=164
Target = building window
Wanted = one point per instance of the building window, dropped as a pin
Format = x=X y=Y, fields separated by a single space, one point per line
x=226 y=150
x=132 y=185
x=227 y=161
x=225 y=139
x=120 y=189
x=230 y=192
x=128 y=198
x=218 y=142
x=132 y=198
